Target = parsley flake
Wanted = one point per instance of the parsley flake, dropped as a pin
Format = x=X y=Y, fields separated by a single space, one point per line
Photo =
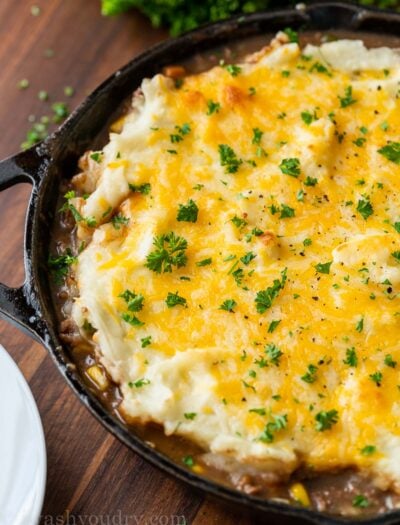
x=169 y=252
x=228 y=158
x=119 y=220
x=274 y=353
x=173 y=299
x=368 y=450
x=204 y=262
x=139 y=383
x=389 y=361
x=364 y=208
x=273 y=326
x=213 y=107
x=248 y=257
x=133 y=300
x=360 y=501
x=326 y=419
x=233 y=69
x=228 y=305
x=146 y=341
x=351 y=357
x=391 y=152
x=187 y=212
x=290 y=167
x=265 y=298
x=347 y=99
x=278 y=423
x=140 y=188
x=323 y=267
x=311 y=375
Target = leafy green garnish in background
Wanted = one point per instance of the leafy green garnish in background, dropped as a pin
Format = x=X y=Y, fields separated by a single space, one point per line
x=183 y=15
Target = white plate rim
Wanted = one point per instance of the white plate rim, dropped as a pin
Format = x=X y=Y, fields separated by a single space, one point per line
x=29 y=400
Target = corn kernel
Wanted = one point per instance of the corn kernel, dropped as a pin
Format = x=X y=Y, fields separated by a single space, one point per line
x=96 y=374
x=299 y=493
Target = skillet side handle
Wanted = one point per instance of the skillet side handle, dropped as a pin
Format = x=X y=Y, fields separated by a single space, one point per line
x=17 y=305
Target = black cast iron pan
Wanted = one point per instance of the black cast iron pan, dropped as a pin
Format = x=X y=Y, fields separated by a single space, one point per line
x=31 y=308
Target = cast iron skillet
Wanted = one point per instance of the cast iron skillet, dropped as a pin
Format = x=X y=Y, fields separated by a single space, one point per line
x=31 y=308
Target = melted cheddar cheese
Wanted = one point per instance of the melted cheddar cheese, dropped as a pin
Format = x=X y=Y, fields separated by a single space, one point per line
x=243 y=265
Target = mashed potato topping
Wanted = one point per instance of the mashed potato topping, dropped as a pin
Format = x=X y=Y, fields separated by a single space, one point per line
x=242 y=259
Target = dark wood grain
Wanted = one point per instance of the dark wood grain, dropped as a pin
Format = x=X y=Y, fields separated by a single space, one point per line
x=90 y=474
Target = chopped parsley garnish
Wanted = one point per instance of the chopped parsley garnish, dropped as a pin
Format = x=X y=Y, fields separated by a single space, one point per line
x=323 y=267
x=308 y=117
x=228 y=158
x=233 y=69
x=391 y=152
x=278 y=423
x=259 y=411
x=238 y=222
x=173 y=299
x=265 y=298
x=169 y=252
x=311 y=375
x=213 y=107
x=188 y=461
x=97 y=156
x=396 y=255
x=228 y=305
x=68 y=206
x=131 y=319
x=326 y=419
x=320 y=68
x=139 y=383
x=360 y=325
x=133 y=300
x=59 y=265
x=273 y=325
x=360 y=501
x=292 y=35
x=376 y=377
x=23 y=84
x=204 y=262
x=257 y=136
x=190 y=415
x=389 y=361
x=368 y=450
x=310 y=181
x=347 y=99
x=60 y=110
x=290 y=167
x=286 y=212
x=364 y=208
x=274 y=353
x=141 y=188
x=187 y=212
x=146 y=341
x=359 y=142
x=351 y=357
x=182 y=131
x=119 y=220
x=248 y=257
x=307 y=242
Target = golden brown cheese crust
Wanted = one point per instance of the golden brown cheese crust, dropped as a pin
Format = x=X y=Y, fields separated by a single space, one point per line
x=279 y=345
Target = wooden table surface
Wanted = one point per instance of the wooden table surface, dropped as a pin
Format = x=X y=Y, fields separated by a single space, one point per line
x=90 y=474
